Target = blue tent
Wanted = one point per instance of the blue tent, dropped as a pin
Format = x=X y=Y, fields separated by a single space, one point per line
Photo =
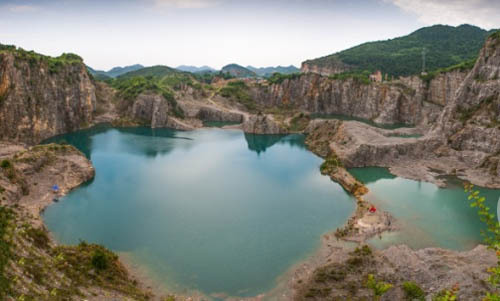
x=55 y=188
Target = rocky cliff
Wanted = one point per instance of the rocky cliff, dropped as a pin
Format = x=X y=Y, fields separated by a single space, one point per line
x=41 y=97
x=409 y=100
x=470 y=123
x=329 y=68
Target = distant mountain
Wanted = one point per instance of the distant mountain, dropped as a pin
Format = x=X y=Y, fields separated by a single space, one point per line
x=268 y=71
x=238 y=71
x=155 y=71
x=115 y=72
x=194 y=69
x=444 y=46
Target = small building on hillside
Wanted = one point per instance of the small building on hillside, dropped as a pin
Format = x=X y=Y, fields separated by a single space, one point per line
x=376 y=76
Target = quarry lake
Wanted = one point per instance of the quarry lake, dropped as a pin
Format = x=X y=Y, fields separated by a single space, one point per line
x=212 y=210
x=223 y=212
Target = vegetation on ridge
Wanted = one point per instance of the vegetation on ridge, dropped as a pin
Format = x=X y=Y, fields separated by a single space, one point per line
x=239 y=91
x=130 y=88
x=54 y=63
x=445 y=46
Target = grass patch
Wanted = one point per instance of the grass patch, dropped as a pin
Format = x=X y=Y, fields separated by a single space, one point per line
x=6 y=217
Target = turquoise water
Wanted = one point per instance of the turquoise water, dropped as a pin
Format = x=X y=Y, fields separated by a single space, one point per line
x=212 y=210
x=366 y=121
x=429 y=216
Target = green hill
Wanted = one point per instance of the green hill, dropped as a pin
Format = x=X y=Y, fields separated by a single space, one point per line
x=115 y=72
x=444 y=46
x=238 y=71
x=268 y=71
x=154 y=71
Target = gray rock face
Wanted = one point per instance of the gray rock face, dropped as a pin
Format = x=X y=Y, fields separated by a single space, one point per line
x=329 y=69
x=261 y=124
x=409 y=100
x=471 y=121
x=150 y=108
x=36 y=104
x=212 y=114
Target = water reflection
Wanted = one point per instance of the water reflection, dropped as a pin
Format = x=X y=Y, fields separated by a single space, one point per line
x=199 y=209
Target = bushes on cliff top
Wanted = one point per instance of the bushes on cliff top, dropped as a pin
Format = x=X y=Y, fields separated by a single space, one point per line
x=278 y=78
x=55 y=64
x=463 y=66
x=130 y=88
x=239 y=91
x=362 y=77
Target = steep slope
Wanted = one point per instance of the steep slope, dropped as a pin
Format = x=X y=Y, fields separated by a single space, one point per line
x=471 y=122
x=444 y=45
x=409 y=100
x=238 y=71
x=42 y=96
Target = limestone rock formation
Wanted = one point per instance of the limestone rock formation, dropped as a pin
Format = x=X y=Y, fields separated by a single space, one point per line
x=38 y=101
x=409 y=100
x=261 y=124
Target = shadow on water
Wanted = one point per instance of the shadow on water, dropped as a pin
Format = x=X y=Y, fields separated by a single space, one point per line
x=260 y=143
x=364 y=175
x=83 y=140
x=209 y=215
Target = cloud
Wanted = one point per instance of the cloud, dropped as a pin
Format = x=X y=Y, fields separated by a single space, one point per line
x=187 y=3
x=483 y=13
x=22 y=8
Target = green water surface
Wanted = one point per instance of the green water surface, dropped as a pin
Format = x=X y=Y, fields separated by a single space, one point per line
x=429 y=216
x=212 y=210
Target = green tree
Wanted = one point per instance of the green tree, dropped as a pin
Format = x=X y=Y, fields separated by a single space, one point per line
x=491 y=237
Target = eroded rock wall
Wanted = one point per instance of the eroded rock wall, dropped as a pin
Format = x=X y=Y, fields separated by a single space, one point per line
x=409 y=100
x=36 y=103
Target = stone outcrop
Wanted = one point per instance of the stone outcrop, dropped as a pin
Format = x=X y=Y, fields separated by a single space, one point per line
x=261 y=124
x=472 y=120
x=328 y=68
x=207 y=113
x=344 y=273
x=37 y=102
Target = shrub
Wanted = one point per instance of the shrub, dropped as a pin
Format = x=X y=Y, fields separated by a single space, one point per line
x=331 y=164
x=39 y=237
x=238 y=91
x=100 y=260
x=379 y=287
x=413 y=291
x=5 y=164
x=362 y=77
x=278 y=78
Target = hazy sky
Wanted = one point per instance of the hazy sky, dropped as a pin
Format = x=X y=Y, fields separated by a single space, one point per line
x=110 y=33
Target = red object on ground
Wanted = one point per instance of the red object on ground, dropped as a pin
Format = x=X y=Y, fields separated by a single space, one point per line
x=373 y=209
